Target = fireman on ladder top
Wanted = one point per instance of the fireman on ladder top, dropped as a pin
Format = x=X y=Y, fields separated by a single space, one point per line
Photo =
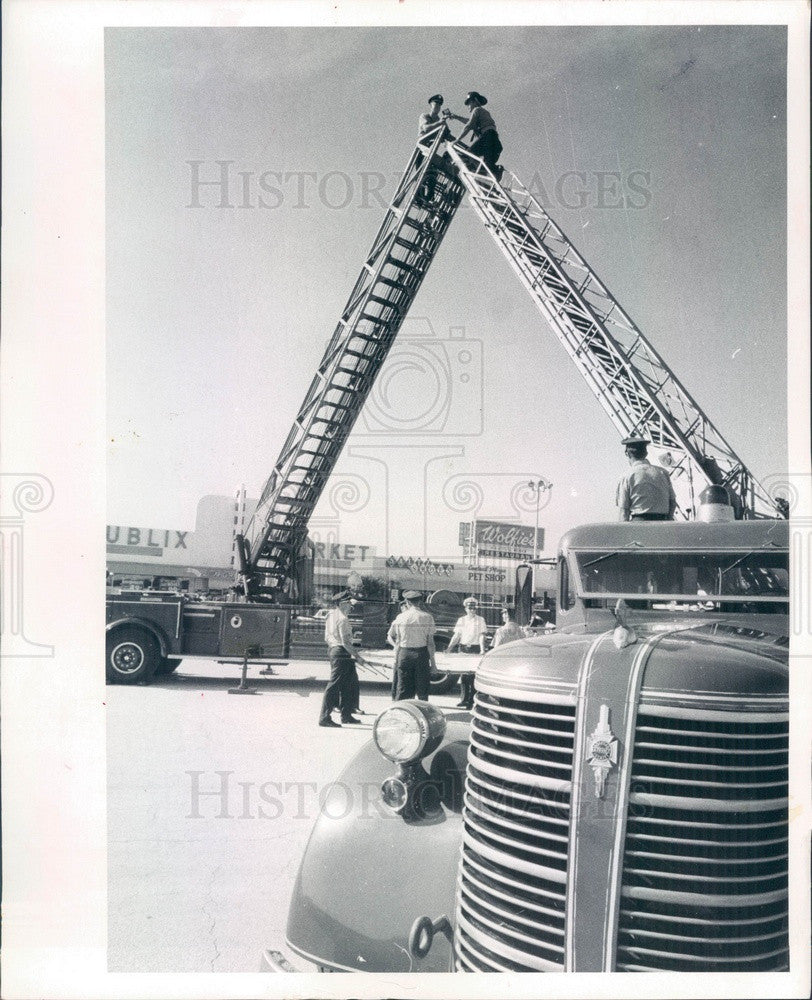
x=486 y=142
x=428 y=121
x=645 y=493
x=431 y=117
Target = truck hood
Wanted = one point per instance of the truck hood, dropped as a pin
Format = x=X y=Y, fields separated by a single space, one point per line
x=698 y=654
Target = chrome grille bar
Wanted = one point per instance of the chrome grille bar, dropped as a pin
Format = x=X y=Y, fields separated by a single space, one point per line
x=511 y=891
x=705 y=865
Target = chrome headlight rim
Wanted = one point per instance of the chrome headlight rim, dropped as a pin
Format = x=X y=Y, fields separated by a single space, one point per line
x=425 y=722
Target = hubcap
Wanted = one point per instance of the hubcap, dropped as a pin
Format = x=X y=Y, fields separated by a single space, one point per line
x=127 y=657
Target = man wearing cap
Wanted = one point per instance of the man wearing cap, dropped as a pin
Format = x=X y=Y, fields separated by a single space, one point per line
x=469 y=635
x=412 y=635
x=343 y=657
x=486 y=142
x=429 y=120
x=645 y=493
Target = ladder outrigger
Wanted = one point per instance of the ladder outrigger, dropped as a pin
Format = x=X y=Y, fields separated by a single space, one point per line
x=633 y=384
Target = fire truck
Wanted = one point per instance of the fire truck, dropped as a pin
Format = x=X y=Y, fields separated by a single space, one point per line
x=617 y=800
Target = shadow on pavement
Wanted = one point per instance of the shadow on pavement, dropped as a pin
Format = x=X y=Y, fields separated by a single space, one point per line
x=303 y=686
x=190 y=682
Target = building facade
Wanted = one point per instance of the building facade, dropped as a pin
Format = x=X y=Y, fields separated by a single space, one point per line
x=203 y=560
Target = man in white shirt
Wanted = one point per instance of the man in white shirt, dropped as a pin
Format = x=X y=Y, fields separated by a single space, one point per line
x=508 y=631
x=469 y=635
x=429 y=121
x=343 y=657
x=412 y=635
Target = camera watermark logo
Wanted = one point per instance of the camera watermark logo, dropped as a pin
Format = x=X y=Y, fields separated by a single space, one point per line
x=20 y=494
x=430 y=385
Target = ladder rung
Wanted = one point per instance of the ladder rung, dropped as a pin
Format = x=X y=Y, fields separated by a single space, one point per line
x=384 y=325
x=402 y=265
x=414 y=247
x=391 y=283
x=389 y=303
x=354 y=373
x=369 y=337
x=331 y=421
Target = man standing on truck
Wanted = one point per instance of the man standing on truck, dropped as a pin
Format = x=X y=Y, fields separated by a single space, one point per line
x=645 y=493
x=412 y=635
x=343 y=657
x=469 y=635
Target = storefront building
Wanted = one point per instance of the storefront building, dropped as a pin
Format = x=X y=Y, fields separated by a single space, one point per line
x=203 y=560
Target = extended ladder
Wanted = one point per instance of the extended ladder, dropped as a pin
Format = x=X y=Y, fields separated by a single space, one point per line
x=633 y=384
x=401 y=254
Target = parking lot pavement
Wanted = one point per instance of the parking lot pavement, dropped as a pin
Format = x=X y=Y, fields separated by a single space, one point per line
x=211 y=798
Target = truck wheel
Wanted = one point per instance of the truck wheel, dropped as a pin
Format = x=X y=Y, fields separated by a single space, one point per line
x=132 y=656
x=168 y=665
x=442 y=683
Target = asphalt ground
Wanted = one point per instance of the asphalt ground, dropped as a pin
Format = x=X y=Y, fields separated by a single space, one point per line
x=211 y=798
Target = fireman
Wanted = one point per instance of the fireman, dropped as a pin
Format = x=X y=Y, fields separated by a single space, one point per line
x=343 y=657
x=645 y=493
x=469 y=634
x=428 y=121
x=486 y=142
x=412 y=635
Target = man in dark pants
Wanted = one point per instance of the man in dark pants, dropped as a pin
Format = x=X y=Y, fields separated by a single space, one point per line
x=338 y=636
x=469 y=634
x=429 y=121
x=645 y=493
x=486 y=142
x=412 y=635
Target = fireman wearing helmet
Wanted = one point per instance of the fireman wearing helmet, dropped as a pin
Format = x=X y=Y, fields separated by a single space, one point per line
x=469 y=635
x=645 y=493
x=481 y=124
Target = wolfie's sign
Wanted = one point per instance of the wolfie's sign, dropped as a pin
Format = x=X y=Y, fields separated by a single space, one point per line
x=502 y=538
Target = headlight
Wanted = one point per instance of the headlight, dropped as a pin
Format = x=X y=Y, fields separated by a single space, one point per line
x=408 y=731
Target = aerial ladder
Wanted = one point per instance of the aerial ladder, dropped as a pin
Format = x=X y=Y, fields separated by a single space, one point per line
x=393 y=271
x=633 y=384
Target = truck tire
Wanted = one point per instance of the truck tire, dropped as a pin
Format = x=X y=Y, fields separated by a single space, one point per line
x=168 y=665
x=132 y=656
x=441 y=682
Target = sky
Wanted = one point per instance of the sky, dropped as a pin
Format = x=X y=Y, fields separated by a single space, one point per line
x=660 y=151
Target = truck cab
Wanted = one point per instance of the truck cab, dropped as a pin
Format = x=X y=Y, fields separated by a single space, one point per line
x=617 y=800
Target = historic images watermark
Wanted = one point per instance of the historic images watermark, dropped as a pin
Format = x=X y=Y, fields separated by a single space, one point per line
x=224 y=795
x=227 y=184
x=20 y=494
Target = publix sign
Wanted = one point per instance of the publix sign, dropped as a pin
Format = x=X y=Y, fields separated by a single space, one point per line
x=501 y=539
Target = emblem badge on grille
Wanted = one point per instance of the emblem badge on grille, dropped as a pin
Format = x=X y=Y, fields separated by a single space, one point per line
x=602 y=750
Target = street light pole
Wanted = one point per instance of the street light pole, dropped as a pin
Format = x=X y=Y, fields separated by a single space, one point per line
x=537 y=485
x=536 y=529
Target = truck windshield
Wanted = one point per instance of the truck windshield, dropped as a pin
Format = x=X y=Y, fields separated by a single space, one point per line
x=760 y=576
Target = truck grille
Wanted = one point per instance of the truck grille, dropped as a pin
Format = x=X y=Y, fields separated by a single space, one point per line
x=704 y=885
x=511 y=891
